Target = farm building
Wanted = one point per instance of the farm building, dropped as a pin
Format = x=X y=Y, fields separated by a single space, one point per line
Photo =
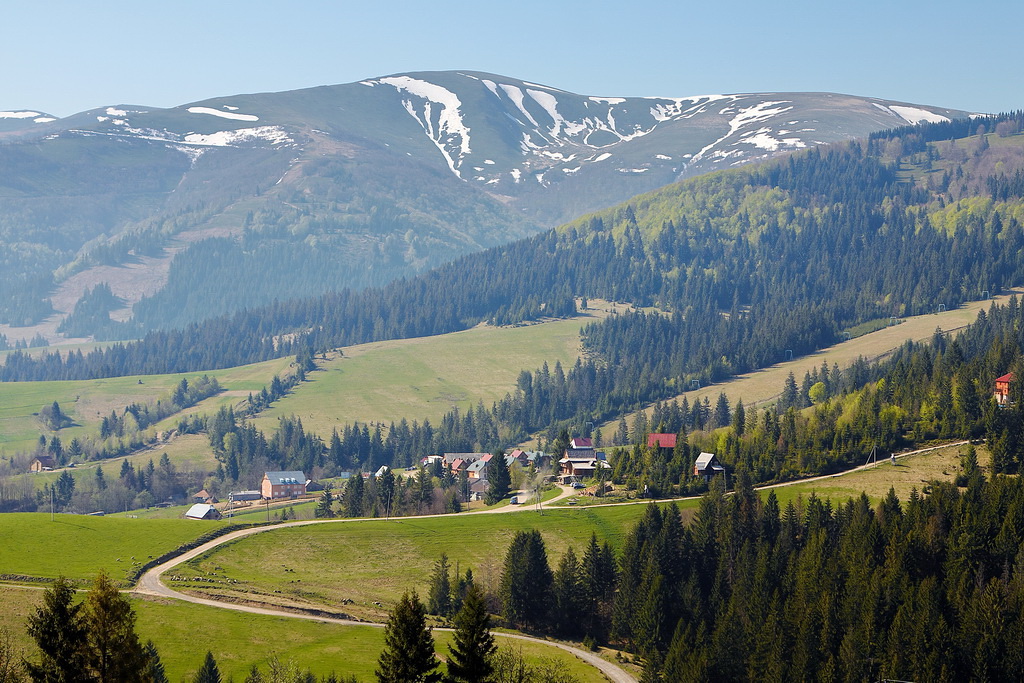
x=202 y=511
x=278 y=485
x=707 y=466
x=42 y=463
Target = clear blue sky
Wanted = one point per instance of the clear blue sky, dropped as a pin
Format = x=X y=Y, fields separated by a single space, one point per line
x=64 y=56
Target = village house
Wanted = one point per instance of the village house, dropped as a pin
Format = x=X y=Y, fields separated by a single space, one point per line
x=42 y=463
x=707 y=466
x=1002 y=392
x=203 y=496
x=277 y=485
x=581 y=461
x=478 y=468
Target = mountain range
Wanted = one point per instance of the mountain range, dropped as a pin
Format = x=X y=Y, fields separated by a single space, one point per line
x=235 y=201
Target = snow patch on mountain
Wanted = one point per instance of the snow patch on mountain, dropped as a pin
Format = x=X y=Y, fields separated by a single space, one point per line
x=516 y=95
x=451 y=134
x=44 y=119
x=608 y=100
x=548 y=102
x=111 y=111
x=275 y=135
x=222 y=114
x=18 y=114
x=760 y=112
x=762 y=138
x=917 y=115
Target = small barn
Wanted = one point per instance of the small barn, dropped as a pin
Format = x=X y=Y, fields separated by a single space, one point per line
x=43 y=463
x=202 y=511
x=707 y=466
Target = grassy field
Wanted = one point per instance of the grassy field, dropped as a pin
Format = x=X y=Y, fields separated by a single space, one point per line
x=914 y=471
x=240 y=640
x=189 y=453
x=350 y=565
x=763 y=386
x=425 y=377
x=87 y=402
x=79 y=546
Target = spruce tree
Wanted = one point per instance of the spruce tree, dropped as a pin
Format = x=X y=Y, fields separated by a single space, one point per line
x=59 y=630
x=408 y=655
x=499 y=477
x=115 y=654
x=472 y=644
x=352 y=501
x=208 y=672
x=154 y=669
x=526 y=580
x=439 y=601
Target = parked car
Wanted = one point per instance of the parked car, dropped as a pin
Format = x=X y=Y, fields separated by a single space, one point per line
x=514 y=501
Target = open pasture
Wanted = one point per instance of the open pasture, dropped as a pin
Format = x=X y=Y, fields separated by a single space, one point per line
x=347 y=566
x=238 y=640
x=79 y=546
x=426 y=377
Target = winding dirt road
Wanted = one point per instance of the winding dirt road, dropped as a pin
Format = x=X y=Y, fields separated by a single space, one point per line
x=150 y=584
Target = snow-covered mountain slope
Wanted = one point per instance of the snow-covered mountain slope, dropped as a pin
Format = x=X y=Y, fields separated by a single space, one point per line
x=387 y=176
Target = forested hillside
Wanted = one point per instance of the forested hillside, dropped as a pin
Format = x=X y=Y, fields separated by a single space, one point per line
x=743 y=266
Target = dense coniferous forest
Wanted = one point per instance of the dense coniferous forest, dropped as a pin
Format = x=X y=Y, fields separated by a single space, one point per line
x=931 y=588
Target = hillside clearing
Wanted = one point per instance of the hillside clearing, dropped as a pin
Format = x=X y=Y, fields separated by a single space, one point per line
x=424 y=378
x=763 y=386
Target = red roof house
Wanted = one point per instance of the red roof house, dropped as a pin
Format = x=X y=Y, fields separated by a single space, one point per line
x=1002 y=392
x=661 y=440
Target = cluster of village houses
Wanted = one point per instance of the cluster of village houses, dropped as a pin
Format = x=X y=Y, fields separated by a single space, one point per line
x=579 y=462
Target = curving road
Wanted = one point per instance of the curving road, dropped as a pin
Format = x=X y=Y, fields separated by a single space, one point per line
x=150 y=584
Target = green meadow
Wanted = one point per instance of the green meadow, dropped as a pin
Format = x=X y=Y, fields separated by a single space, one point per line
x=424 y=378
x=238 y=640
x=349 y=565
x=79 y=546
x=915 y=471
x=87 y=402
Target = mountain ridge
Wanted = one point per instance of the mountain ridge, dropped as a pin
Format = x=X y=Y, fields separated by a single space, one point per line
x=387 y=176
